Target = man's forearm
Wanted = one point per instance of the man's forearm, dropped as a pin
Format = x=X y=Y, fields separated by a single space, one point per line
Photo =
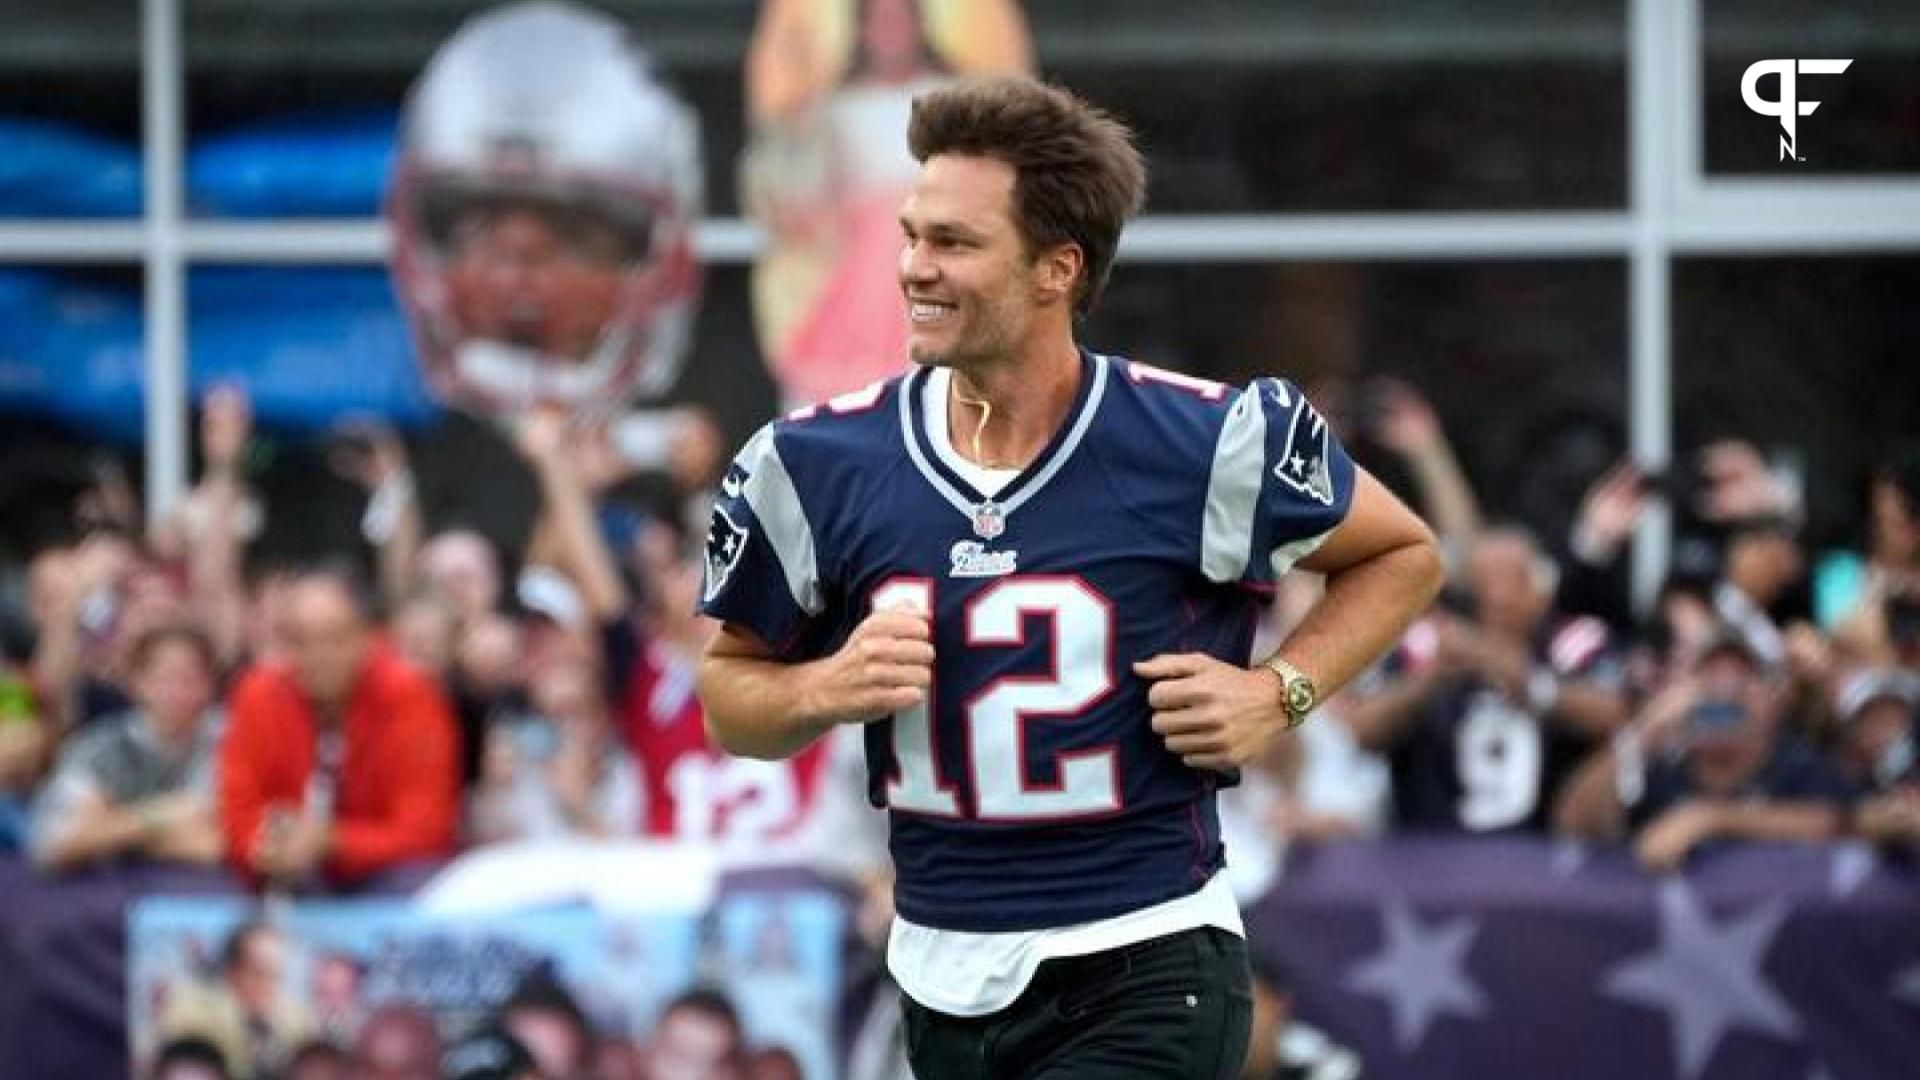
x=1589 y=807
x=1365 y=609
x=763 y=708
x=1791 y=819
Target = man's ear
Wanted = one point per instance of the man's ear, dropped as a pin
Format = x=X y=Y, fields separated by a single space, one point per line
x=1058 y=270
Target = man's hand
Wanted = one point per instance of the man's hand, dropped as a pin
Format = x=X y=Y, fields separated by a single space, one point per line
x=1892 y=818
x=1215 y=715
x=289 y=847
x=1663 y=846
x=885 y=666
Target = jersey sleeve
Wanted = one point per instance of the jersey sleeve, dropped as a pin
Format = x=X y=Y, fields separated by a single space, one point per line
x=761 y=568
x=1279 y=484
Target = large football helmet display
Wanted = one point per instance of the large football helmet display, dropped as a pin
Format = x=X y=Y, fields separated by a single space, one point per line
x=543 y=208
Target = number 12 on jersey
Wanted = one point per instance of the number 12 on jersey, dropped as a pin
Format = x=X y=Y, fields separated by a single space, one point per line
x=996 y=714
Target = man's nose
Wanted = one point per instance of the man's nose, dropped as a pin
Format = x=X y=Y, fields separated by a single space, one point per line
x=916 y=262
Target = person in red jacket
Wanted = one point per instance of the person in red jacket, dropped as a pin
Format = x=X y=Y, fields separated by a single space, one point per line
x=343 y=763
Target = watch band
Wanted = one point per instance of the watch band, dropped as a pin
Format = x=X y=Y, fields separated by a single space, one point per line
x=1298 y=695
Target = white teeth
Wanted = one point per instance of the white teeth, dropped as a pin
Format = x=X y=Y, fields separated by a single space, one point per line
x=927 y=312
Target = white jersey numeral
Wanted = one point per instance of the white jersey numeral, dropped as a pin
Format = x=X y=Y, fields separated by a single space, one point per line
x=1497 y=753
x=997 y=715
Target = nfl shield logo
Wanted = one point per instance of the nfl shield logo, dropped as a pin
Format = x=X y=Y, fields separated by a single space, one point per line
x=988 y=520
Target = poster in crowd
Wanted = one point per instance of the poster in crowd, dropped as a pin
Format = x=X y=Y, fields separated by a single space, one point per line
x=387 y=985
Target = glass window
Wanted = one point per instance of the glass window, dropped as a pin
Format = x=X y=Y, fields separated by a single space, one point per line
x=1245 y=105
x=70 y=111
x=1525 y=362
x=1809 y=357
x=1253 y=106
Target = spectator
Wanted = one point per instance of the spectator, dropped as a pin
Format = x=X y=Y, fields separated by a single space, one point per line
x=246 y=1014
x=189 y=1059
x=79 y=600
x=774 y=1063
x=1706 y=761
x=141 y=784
x=696 y=791
x=490 y=1054
x=1483 y=714
x=560 y=772
x=337 y=988
x=399 y=1042
x=1852 y=593
x=1880 y=728
x=1400 y=419
x=461 y=568
x=1763 y=560
x=344 y=762
x=320 y=1060
x=23 y=752
x=545 y=1019
x=698 y=1038
x=426 y=633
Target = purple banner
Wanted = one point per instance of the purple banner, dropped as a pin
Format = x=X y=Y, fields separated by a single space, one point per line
x=1491 y=958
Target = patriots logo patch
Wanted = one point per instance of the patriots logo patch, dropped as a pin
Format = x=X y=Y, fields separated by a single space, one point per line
x=1303 y=464
x=726 y=542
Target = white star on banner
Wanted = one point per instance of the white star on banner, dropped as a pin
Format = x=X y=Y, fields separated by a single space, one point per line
x=1569 y=857
x=1853 y=864
x=1421 y=972
x=1906 y=985
x=1706 y=978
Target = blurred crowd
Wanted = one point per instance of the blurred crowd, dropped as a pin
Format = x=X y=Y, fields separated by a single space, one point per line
x=349 y=725
x=175 y=689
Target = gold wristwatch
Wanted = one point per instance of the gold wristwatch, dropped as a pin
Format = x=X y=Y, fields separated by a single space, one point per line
x=1298 y=695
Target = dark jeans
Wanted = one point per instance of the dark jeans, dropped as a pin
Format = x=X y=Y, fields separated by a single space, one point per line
x=1174 y=1008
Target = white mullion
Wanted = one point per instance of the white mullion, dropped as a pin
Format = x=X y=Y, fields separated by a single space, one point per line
x=163 y=134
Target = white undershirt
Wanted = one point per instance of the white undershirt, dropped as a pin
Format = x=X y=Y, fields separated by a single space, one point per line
x=933 y=404
x=973 y=974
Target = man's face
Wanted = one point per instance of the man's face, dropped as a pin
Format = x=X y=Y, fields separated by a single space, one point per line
x=1508 y=592
x=173 y=686
x=692 y=1045
x=551 y=1038
x=256 y=975
x=964 y=267
x=327 y=638
x=538 y=277
x=1723 y=761
x=1878 y=728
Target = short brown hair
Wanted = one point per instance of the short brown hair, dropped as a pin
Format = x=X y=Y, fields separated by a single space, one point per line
x=180 y=631
x=1077 y=174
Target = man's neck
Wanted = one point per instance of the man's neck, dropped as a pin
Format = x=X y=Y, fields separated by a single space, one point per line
x=1022 y=401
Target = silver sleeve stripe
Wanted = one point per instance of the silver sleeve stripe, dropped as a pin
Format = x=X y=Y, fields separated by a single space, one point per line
x=770 y=492
x=1233 y=490
x=1286 y=555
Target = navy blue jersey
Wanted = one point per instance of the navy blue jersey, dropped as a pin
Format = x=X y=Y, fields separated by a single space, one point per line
x=1031 y=790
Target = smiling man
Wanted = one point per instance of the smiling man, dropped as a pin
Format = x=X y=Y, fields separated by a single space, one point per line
x=1032 y=572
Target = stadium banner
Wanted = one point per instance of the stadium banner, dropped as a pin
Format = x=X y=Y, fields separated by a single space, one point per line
x=1522 y=958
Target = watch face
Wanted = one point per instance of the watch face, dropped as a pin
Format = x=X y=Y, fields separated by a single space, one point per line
x=1300 y=696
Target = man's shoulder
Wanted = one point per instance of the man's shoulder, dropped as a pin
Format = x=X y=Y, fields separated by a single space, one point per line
x=818 y=446
x=98 y=743
x=397 y=677
x=263 y=684
x=867 y=414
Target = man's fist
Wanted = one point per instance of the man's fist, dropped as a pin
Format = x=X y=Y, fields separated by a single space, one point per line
x=1215 y=715
x=885 y=666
